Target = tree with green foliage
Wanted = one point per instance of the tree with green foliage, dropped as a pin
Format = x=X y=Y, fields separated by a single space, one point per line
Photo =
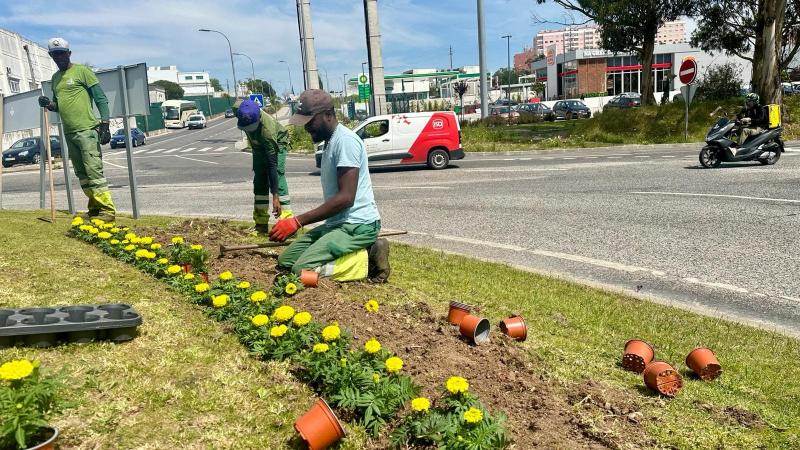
x=260 y=87
x=215 y=84
x=171 y=90
x=720 y=82
x=503 y=76
x=630 y=26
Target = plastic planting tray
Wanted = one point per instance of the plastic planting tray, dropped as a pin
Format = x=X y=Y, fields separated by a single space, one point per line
x=45 y=326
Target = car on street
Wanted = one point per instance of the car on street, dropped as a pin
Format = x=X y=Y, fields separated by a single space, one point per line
x=229 y=113
x=571 y=109
x=540 y=110
x=623 y=101
x=29 y=151
x=196 y=121
x=118 y=139
x=506 y=112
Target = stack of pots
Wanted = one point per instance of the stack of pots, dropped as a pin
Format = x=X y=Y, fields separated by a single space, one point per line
x=476 y=329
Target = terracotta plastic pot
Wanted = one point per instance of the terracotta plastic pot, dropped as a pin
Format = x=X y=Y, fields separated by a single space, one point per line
x=663 y=378
x=50 y=443
x=187 y=268
x=205 y=276
x=319 y=427
x=457 y=312
x=514 y=327
x=637 y=355
x=474 y=328
x=704 y=363
x=309 y=278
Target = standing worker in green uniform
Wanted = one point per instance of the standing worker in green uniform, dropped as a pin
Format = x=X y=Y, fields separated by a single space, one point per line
x=75 y=86
x=270 y=143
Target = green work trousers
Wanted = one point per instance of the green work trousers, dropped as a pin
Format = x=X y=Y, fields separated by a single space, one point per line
x=327 y=243
x=261 y=210
x=84 y=153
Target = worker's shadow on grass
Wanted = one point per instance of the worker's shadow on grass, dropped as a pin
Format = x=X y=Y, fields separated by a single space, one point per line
x=395 y=169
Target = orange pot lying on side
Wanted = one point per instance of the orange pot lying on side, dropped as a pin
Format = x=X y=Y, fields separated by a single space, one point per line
x=457 y=312
x=514 y=327
x=637 y=355
x=474 y=328
x=309 y=278
x=319 y=427
x=663 y=378
x=704 y=363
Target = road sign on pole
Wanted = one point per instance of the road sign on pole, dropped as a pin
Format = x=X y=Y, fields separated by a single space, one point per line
x=364 y=88
x=258 y=99
x=687 y=73
x=688 y=70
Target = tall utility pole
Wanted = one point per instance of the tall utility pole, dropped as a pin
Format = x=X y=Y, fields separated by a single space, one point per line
x=252 y=67
x=508 y=69
x=291 y=86
x=378 y=97
x=344 y=85
x=482 y=62
x=451 y=58
x=307 y=45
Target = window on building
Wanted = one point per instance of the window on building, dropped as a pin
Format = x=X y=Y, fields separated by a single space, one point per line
x=187 y=77
x=198 y=77
x=13 y=84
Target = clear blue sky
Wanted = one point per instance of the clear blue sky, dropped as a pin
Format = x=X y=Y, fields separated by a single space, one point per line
x=415 y=33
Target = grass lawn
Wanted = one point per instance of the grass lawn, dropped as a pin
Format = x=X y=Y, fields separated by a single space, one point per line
x=186 y=383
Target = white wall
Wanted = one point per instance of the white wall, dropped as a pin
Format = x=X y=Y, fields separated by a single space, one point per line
x=14 y=63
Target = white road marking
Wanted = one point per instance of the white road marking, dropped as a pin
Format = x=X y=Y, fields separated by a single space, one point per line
x=614 y=157
x=198 y=160
x=171 y=150
x=667 y=156
x=591 y=261
x=158 y=150
x=689 y=194
x=569 y=157
x=186 y=150
x=220 y=149
x=725 y=286
x=114 y=165
x=794 y=299
x=514 y=169
x=140 y=151
x=412 y=187
x=478 y=242
x=204 y=149
x=640 y=156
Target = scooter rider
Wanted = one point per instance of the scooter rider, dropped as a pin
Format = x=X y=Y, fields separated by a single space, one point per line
x=753 y=117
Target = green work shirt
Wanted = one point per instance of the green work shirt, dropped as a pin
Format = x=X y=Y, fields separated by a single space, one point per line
x=71 y=92
x=270 y=136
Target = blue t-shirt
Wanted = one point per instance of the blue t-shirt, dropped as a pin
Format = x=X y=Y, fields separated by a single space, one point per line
x=346 y=149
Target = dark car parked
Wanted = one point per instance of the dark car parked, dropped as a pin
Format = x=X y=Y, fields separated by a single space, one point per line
x=627 y=100
x=118 y=139
x=539 y=110
x=571 y=109
x=29 y=151
x=228 y=113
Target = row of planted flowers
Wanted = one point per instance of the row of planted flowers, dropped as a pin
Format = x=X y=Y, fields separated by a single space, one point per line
x=365 y=386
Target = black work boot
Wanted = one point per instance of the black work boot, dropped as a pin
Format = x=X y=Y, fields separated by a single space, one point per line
x=379 y=269
x=261 y=228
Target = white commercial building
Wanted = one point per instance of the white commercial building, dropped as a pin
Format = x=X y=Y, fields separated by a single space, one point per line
x=23 y=64
x=588 y=37
x=192 y=83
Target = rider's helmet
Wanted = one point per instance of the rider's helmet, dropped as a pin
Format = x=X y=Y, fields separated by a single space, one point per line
x=752 y=99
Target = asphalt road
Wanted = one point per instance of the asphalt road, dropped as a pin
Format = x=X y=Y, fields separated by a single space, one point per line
x=644 y=220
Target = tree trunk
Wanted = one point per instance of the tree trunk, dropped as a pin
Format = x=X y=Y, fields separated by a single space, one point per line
x=766 y=72
x=648 y=47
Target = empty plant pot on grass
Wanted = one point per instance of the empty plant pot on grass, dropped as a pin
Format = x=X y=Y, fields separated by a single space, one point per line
x=205 y=276
x=47 y=439
x=663 y=378
x=309 y=278
x=474 y=328
x=457 y=312
x=704 y=363
x=637 y=355
x=514 y=327
x=319 y=427
x=187 y=268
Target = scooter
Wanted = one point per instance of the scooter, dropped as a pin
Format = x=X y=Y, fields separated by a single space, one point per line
x=765 y=148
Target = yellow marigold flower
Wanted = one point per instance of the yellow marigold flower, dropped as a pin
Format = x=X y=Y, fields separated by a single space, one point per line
x=16 y=370
x=146 y=240
x=97 y=222
x=343 y=362
x=376 y=378
x=321 y=348
x=302 y=319
x=130 y=236
x=125 y=228
x=172 y=270
x=155 y=246
x=283 y=314
x=278 y=331
x=220 y=301
x=107 y=226
x=371 y=306
x=114 y=241
x=197 y=247
x=473 y=415
x=372 y=346
x=290 y=288
x=420 y=404
x=200 y=288
x=457 y=385
x=141 y=253
x=104 y=235
x=243 y=285
x=115 y=230
x=331 y=333
x=260 y=320
x=258 y=296
x=226 y=276
x=130 y=248
x=84 y=227
x=188 y=276
x=135 y=240
x=163 y=261
x=76 y=221
x=177 y=240
x=93 y=230
x=394 y=364
x=125 y=241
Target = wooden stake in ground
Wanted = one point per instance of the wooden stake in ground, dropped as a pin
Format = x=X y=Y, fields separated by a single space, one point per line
x=46 y=125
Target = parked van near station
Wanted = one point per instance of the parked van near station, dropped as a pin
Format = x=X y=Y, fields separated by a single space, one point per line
x=432 y=138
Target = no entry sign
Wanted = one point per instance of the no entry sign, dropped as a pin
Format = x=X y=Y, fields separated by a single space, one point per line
x=688 y=71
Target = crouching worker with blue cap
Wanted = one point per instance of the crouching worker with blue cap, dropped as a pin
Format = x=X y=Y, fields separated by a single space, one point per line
x=346 y=247
x=270 y=143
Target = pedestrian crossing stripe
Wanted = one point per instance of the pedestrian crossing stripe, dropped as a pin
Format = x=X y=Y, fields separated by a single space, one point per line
x=204 y=149
x=187 y=150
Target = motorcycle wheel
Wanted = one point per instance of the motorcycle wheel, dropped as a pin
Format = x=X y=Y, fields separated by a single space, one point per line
x=709 y=157
x=776 y=155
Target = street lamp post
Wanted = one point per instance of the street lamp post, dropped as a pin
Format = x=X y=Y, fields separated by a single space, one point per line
x=508 y=69
x=291 y=86
x=344 y=85
x=230 y=51
x=252 y=66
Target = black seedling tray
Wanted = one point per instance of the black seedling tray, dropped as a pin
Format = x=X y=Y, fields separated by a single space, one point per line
x=44 y=326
